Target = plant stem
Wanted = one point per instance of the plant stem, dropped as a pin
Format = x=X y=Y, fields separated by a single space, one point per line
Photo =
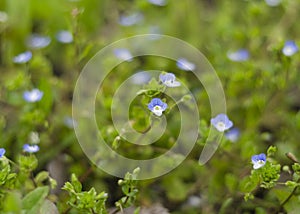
x=290 y=196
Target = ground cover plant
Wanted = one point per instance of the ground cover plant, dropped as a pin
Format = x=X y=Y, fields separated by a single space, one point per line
x=253 y=46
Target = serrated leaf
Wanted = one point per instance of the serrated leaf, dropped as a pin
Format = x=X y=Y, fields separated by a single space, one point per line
x=76 y=184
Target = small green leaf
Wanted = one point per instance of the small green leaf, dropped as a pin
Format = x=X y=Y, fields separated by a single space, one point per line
x=34 y=199
x=291 y=184
x=41 y=177
x=76 y=184
x=12 y=202
x=28 y=163
x=48 y=207
x=271 y=151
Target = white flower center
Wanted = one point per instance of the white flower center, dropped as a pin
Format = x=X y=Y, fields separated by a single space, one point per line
x=157 y=110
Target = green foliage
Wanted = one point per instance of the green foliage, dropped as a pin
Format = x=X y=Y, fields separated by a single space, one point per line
x=85 y=201
x=33 y=201
x=262 y=98
x=129 y=189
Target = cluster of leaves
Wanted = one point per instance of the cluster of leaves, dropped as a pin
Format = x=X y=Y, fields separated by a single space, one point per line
x=92 y=202
x=20 y=191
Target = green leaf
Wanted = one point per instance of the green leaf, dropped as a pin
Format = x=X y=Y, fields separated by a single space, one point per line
x=76 y=184
x=28 y=163
x=34 y=200
x=48 y=207
x=4 y=172
x=271 y=151
x=12 y=202
x=41 y=177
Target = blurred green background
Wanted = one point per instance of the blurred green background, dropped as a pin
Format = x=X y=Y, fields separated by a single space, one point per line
x=262 y=92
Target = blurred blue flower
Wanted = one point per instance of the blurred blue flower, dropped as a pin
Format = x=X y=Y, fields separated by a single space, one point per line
x=33 y=96
x=36 y=41
x=239 y=55
x=23 y=57
x=221 y=122
x=272 y=3
x=31 y=148
x=290 y=48
x=169 y=80
x=64 y=36
x=129 y=20
x=70 y=122
x=158 y=2
x=2 y=152
x=123 y=54
x=233 y=135
x=155 y=31
x=140 y=78
x=3 y=16
x=157 y=106
x=258 y=160
x=185 y=65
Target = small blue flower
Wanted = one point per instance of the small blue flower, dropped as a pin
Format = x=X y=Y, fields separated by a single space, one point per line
x=70 y=122
x=36 y=41
x=155 y=31
x=3 y=17
x=23 y=57
x=272 y=3
x=130 y=20
x=290 y=48
x=157 y=106
x=233 y=135
x=2 y=152
x=258 y=160
x=158 y=2
x=64 y=36
x=140 y=78
x=123 y=54
x=31 y=148
x=221 y=122
x=239 y=55
x=33 y=96
x=169 y=80
x=185 y=65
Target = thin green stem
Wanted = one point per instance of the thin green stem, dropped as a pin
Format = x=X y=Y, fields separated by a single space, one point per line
x=290 y=196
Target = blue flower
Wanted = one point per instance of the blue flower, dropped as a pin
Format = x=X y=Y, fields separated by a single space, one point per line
x=31 y=148
x=155 y=31
x=33 y=96
x=169 y=80
x=233 y=135
x=131 y=19
x=64 y=36
x=272 y=3
x=290 y=48
x=123 y=54
x=185 y=65
x=239 y=55
x=36 y=41
x=158 y=2
x=3 y=17
x=70 y=122
x=2 y=152
x=258 y=160
x=221 y=122
x=140 y=78
x=157 y=106
x=23 y=57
